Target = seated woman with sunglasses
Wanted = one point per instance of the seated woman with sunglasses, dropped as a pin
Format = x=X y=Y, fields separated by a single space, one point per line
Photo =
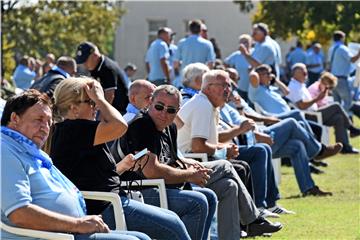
x=78 y=148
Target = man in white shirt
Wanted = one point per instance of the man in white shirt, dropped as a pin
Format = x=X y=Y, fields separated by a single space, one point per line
x=332 y=114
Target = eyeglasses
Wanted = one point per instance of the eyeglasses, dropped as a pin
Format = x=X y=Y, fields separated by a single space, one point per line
x=265 y=74
x=169 y=109
x=88 y=101
x=224 y=85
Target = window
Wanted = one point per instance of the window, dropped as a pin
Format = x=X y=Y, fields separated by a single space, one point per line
x=154 y=26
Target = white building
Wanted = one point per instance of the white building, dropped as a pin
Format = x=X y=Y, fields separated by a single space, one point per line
x=141 y=21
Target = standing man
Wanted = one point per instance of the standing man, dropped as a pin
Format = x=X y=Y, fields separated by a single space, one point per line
x=107 y=72
x=265 y=51
x=157 y=58
x=23 y=74
x=194 y=48
x=298 y=55
x=314 y=63
x=64 y=68
x=340 y=60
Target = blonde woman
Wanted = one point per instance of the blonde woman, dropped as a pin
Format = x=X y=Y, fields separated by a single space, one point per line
x=79 y=149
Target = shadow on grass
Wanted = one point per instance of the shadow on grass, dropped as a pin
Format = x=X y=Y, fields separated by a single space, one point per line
x=293 y=197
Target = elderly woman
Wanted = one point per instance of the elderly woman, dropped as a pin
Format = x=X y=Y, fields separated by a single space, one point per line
x=35 y=194
x=79 y=150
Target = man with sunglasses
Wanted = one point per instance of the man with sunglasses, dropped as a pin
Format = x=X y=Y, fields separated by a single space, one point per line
x=156 y=131
x=333 y=114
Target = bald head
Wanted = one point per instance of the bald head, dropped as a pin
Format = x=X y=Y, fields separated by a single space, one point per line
x=140 y=93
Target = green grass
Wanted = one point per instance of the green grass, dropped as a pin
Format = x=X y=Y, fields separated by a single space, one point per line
x=335 y=217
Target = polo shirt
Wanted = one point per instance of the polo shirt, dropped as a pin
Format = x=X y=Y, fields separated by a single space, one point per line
x=341 y=65
x=299 y=92
x=314 y=58
x=268 y=99
x=111 y=76
x=264 y=53
x=23 y=77
x=24 y=182
x=194 y=49
x=158 y=50
x=200 y=120
x=298 y=55
x=239 y=62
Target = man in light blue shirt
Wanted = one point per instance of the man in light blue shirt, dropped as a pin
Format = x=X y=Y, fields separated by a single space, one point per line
x=23 y=75
x=340 y=65
x=194 y=48
x=34 y=193
x=314 y=63
x=265 y=51
x=157 y=58
x=297 y=56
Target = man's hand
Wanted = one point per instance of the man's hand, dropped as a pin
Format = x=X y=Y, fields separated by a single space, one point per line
x=247 y=125
x=199 y=176
x=91 y=224
x=264 y=138
x=232 y=151
x=271 y=120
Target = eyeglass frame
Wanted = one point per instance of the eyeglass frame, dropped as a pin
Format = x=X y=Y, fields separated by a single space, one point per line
x=163 y=107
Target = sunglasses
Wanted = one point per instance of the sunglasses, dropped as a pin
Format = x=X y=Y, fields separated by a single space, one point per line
x=88 y=101
x=170 y=110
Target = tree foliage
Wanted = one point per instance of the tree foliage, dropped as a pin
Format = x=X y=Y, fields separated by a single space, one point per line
x=56 y=26
x=309 y=20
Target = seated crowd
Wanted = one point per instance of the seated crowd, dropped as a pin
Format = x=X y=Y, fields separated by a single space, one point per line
x=92 y=143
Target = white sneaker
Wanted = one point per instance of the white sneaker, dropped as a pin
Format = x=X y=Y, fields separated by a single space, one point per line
x=280 y=210
x=267 y=214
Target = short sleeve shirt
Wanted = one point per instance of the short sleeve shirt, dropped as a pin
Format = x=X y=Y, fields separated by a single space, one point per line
x=200 y=120
x=264 y=53
x=299 y=92
x=341 y=65
x=91 y=168
x=158 y=50
x=237 y=60
x=24 y=182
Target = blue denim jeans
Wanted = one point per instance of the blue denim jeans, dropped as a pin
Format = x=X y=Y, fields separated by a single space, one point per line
x=113 y=235
x=296 y=114
x=156 y=222
x=191 y=206
x=258 y=157
x=293 y=141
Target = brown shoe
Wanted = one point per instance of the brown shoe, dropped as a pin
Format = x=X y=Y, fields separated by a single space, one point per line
x=316 y=191
x=329 y=151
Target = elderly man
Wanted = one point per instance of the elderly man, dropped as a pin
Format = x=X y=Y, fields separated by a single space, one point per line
x=34 y=193
x=64 y=68
x=340 y=60
x=332 y=114
x=232 y=194
x=140 y=93
x=107 y=71
x=257 y=156
x=157 y=58
x=194 y=48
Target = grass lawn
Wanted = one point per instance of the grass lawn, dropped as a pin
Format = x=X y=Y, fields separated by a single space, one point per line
x=336 y=217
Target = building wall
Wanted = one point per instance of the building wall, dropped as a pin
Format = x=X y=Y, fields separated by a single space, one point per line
x=224 y=20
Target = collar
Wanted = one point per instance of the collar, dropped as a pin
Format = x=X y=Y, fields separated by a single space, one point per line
x=100 y=63
x=132 y=109
x=296 y=82
x=61 y=71
x=189 y=91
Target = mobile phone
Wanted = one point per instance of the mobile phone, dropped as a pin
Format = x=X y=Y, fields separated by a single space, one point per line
x=140 y=154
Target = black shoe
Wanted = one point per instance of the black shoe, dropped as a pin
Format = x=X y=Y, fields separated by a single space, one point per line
x=316 y=191
x=354 y=131
x=315 y=170
x=319 y=163
x=349 y=150
x=261 y=226
x=329 y=151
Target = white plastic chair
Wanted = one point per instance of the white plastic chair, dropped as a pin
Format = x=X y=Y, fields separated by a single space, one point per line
x=158 y=183
x=106 y=196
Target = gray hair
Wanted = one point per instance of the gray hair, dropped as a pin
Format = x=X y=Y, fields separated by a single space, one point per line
x=169 y=89
x=211 y=76
x=193 y=71
x=297 y=66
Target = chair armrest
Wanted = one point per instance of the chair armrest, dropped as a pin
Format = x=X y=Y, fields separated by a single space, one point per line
x=36 y=233
x=317 y=115
x=158 y=183
x=116 y=203
x=201 y=156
